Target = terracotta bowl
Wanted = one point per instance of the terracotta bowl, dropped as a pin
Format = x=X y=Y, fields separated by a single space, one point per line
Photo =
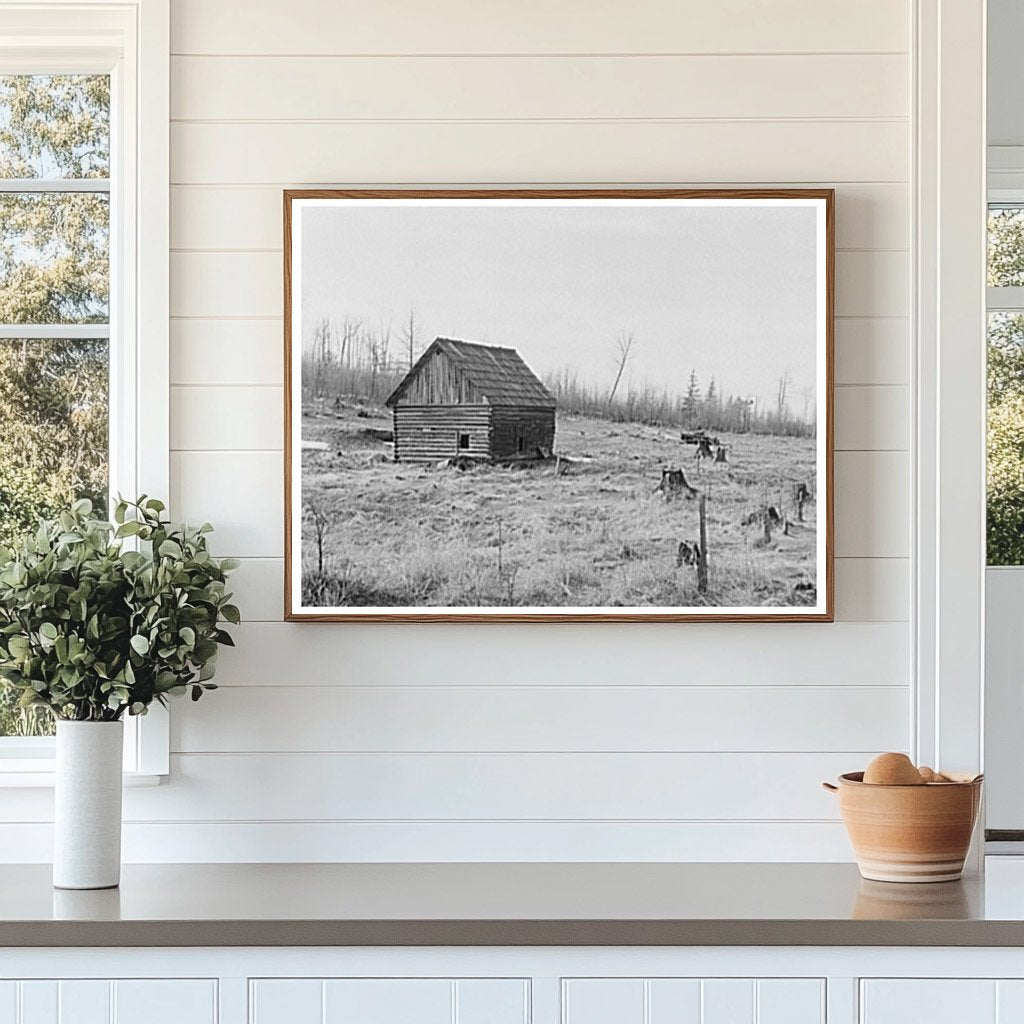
x=909 y=833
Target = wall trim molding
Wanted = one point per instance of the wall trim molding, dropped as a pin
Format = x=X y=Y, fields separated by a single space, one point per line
x=949 y=286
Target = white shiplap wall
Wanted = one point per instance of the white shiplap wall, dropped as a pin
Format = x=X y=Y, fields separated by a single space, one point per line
x=687 y=741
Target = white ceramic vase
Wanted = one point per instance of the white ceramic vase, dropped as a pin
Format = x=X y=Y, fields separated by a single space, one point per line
x=87 y=806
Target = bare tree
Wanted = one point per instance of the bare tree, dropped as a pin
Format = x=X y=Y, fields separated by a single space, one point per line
x=623 y=346
x=323 y=342
x=780 y=397
x=409 y=337
x=321 y=527
x=349 y=333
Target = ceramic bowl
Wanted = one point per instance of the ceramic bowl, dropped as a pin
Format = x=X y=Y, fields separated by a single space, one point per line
x=909 y=833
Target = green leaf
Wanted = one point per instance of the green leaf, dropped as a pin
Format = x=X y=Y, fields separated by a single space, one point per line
x=140 y=644
x=18 y=646
x=48 y=631
x=170 y=549
x=231 y=613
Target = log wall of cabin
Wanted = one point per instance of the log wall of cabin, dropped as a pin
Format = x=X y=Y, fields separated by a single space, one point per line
x=536 y=426
x=429 y=433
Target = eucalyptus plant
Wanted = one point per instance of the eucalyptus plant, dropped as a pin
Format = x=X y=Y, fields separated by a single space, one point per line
x=98 y=619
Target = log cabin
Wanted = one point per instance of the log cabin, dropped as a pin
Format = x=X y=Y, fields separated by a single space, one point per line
x=461 y=399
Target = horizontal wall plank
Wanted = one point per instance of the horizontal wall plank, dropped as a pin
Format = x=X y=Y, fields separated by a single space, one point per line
x=234 y=284
x=529 y=88
x=872 y=590
x=872 y=350
x=867 y=589
x=536 y=26
x=485 y=787
x=873 y=283
x=241 y=493
x=630 y=719
x=577 y=654
x=529 y=152
x=872 y=418
x=242 y=787
x=227 y=352
x=872 y=504
x=240 y=418
x=869 y=216
x=462 y=842
x=258 y=586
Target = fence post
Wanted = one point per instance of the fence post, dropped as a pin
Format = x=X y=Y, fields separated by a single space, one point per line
x=702 y=555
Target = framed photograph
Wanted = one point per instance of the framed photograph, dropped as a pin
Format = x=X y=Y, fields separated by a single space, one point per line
x=558 y=405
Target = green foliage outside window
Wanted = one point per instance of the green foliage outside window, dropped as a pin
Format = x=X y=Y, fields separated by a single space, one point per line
x=54 y=269
x=1005 y=479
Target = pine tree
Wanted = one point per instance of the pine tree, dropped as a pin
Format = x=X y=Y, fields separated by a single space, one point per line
x=692 y=402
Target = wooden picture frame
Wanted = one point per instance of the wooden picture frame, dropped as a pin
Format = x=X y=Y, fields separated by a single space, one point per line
x=508 y=431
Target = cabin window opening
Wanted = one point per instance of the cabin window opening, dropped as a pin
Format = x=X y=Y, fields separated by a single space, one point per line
x=520 y=443
x=463 y=442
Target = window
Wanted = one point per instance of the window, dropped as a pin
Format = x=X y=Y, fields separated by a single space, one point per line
x=1005 y=476
x=54 y=308
x=83 y=262
x=463 y=442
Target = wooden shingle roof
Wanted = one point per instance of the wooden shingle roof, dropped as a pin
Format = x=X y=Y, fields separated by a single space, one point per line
x=498 y=375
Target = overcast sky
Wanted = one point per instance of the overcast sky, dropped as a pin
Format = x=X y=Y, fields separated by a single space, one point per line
x=727 y=291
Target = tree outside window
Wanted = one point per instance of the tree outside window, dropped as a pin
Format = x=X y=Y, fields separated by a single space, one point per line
x=54 y=307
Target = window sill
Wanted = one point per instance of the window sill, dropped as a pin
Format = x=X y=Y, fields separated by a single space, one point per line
x=38 y=773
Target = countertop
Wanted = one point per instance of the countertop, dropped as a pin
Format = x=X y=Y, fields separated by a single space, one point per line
x=509 y=904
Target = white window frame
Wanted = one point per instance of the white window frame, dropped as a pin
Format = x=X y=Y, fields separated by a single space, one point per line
x=949 y=442
x=1003 y=711
x=130 y=41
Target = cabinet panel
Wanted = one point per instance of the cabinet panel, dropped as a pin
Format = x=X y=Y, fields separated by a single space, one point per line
x=929 y=1001
x=38 y=1002
x=674 y=1000
x=101 y=1001
x=1010 y=1002
x=603 y=1001
x=492 y=1001
x=286 y=1001
x=388 y=1001
x=165 y=1002
x=728 y=1001
x=8 y=1002
x=791 y=1001
x=84 y=1002
x=693 y=1001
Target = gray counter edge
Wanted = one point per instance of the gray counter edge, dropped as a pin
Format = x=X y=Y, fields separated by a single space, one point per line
x=509 y=933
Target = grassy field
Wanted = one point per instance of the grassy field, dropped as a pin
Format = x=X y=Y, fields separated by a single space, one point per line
x=397 y=534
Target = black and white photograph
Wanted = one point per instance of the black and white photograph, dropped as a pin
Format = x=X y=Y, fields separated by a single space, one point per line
x=569 y=406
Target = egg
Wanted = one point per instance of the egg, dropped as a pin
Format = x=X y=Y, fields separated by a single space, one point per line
x=893 y=770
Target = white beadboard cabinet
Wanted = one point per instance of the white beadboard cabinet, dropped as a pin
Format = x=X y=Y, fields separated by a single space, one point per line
x=693 y=1001
x=513 y=985
x=942 y=1001
x=103 y=1001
